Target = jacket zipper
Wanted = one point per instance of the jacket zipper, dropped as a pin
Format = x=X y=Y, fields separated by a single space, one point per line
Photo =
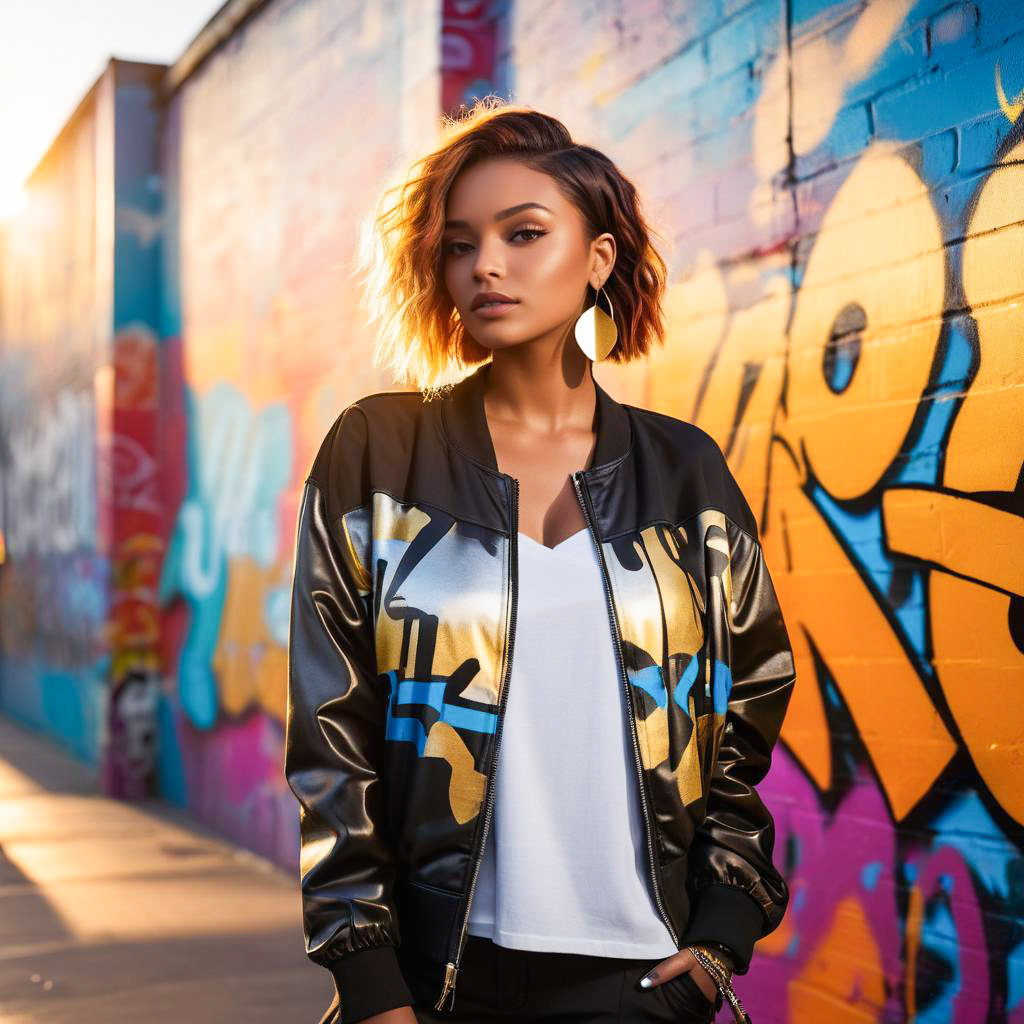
x=452 y=967
x=579 y=484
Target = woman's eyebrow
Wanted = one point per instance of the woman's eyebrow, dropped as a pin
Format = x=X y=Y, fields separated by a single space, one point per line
x=500 y=215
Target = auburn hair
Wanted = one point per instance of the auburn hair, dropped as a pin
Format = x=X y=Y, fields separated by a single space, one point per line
x=421 y=339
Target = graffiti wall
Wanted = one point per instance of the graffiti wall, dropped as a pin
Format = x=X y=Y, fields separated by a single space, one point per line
x=138 y=513
x=271 y=151
x=80 y=512
x=842 y=186
x=55 y=370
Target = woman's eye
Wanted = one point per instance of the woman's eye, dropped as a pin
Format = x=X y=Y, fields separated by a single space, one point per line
x=452 y=247
x=537 y=232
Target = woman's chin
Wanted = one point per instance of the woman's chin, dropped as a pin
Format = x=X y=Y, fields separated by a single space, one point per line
x=494 y=340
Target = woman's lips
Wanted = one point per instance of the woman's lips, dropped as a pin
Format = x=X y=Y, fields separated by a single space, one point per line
x=494 y=309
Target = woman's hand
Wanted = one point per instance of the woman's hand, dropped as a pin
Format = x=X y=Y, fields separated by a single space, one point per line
x=399 y=1015
x=680 y=963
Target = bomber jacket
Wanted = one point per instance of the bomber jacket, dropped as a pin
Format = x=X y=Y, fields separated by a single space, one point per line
x=403 y=624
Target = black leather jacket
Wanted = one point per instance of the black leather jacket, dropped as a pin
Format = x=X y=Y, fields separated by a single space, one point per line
x=402 y=636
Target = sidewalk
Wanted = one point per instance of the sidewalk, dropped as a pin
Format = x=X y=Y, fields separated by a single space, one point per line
x=113 y=912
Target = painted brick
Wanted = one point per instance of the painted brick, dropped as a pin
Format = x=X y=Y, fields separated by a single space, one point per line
x=944 y=99
x=758 y=30
x=849 y=136
x=901 y=646
x=980 y=139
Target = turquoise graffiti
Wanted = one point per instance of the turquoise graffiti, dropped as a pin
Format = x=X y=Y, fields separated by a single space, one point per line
x=239 y=463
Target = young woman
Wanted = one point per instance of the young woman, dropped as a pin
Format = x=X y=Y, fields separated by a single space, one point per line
x=517 y=562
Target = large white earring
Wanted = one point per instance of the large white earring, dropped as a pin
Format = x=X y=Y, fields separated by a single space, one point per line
x=595 y=329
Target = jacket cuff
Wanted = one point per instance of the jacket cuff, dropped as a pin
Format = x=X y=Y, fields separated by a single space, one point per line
x=726 y=914
x=369 y=981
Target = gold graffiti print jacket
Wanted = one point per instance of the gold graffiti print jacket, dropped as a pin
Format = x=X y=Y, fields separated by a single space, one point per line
x=403 y=624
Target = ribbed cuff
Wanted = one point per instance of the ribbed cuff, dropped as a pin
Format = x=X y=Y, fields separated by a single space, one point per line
x=726 y=914
x=369 y=981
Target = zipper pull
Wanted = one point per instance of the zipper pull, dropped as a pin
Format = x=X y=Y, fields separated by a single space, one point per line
x=449 y=987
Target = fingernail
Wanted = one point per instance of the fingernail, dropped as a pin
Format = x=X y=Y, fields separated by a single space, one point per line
x=646 y=981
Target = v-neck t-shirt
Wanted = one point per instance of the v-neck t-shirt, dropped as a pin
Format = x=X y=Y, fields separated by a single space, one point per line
x=564 y=866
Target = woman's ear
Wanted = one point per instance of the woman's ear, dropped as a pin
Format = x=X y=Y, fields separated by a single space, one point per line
x=602 y=251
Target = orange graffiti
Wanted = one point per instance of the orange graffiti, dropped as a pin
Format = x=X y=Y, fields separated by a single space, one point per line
x=873 y=283
x=1012 y=109
x=844 y=979
x=873 y=293
x=914 y=923
x=134 y=621
x=829 y=606
x=250 y=664
x=971 y=539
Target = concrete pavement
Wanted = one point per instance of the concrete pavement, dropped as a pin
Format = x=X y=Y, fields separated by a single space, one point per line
x=113 y=912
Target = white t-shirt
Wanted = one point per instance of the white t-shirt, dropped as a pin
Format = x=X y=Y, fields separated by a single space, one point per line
x=565 y=861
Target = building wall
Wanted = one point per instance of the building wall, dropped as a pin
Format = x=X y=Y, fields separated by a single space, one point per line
x=842 y=185
x=841 y=192
x=271 y=152
x=55 y=352
x=138 y=512
x=80 y=510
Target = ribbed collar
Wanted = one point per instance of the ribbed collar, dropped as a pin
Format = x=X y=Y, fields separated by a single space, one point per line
x=465 y=422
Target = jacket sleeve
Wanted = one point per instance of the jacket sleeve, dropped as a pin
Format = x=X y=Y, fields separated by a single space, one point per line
x=737 y=895
x=334 y=741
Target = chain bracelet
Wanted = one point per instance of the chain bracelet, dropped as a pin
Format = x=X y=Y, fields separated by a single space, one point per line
x=723 y=966
x=722 y=979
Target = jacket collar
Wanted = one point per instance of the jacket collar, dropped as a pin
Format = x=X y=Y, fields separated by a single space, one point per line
x=465 y=423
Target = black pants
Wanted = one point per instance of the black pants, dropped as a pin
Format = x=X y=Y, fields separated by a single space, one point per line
x=496 y=983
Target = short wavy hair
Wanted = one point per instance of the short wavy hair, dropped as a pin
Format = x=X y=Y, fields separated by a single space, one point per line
x=421 y=339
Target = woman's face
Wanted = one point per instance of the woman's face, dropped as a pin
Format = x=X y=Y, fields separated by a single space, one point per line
x=510 y=230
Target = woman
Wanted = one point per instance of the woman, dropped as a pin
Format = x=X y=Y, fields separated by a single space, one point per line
x=521 y=532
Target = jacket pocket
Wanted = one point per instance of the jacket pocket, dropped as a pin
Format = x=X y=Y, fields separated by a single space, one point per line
x=428 y=918
x=674 y=887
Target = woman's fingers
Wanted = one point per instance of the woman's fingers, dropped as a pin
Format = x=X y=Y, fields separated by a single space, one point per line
x=704 y=982
x=668 y=968
x=680 y=963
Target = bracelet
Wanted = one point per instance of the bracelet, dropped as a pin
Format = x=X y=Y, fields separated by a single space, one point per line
x=712 y=950
x=724 y=953
x=721 y=975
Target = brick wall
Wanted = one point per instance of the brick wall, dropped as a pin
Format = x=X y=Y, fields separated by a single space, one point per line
x=55 y=348
x=272 y=149
x=842 y=184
